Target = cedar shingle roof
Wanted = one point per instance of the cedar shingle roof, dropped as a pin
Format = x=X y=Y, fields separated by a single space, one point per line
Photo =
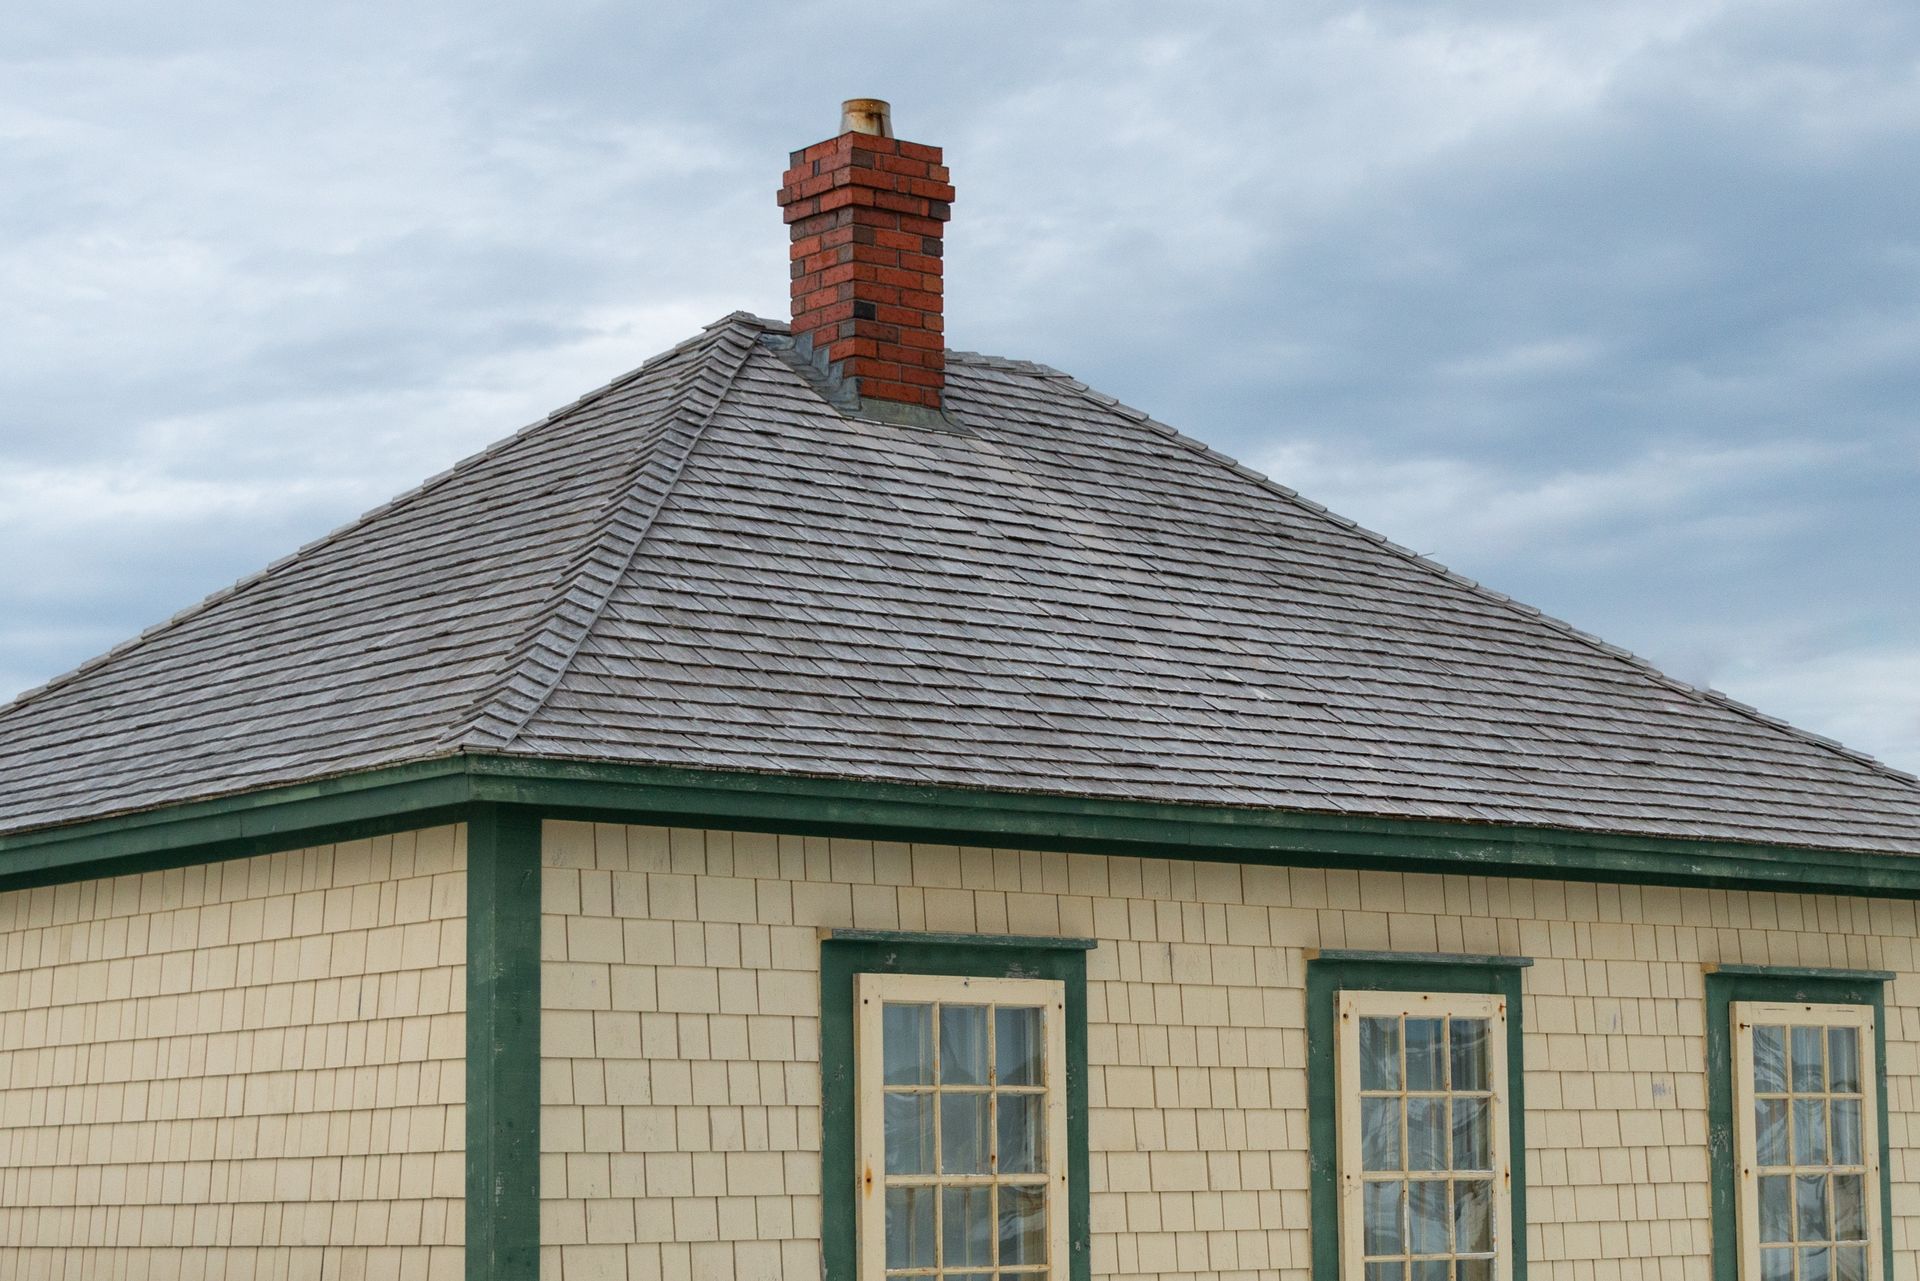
x=708 y=564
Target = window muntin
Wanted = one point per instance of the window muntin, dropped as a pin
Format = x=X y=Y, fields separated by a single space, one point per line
x=1807 y=1141
x=1424 y=1153
x=961 y=1099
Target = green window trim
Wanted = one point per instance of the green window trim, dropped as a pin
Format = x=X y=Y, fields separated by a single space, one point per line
x=1331 y=972
x=1729 y=983
x=845 y=953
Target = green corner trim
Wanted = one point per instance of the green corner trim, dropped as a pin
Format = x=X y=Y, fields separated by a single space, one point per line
x=971 y=956
x=503 y=1045
x=1730 y=983
x=1031 y=942
x=425 y=792
x=1331 y=973
x=1362 y=956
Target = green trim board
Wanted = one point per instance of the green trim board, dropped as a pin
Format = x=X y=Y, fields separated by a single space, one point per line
x=1361 y=956
x=1030 y=942
x=322 y=812
x=1331 y=973
x=421 y=793
x=959 y=955
x=1731 y=983
x=1801 y=972
x=503 y=1045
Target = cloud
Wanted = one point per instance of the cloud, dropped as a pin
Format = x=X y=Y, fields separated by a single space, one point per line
x=1613 y=305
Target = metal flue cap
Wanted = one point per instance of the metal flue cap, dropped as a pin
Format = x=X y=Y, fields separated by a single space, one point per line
x=866 y=115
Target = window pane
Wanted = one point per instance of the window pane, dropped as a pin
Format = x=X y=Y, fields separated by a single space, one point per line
x=1432 y=1270
x=1473 y=1216
x=1023 y=1135
x=1809 y=1131
x=1385 y=1218
x=1379 y=1054
x=1473 y=1270
x=1427 y=1217
x=1843 y=1059
x=1770 y=1060
x=1845 y=1137
x=1816 y=1264
x=1776 y=1265
x=963 y=1045
x=1809 y=1076
x=909 y=1133
x=1776 y=1207
x=1386 y=1272
x=1770 y=1132
x=906 y=1044
x=963 y=1134
x=1850 y=1263
x=966 y=1227
x=1023 y=1225
x=1810 y=1208
x=1016 y=1046
x=1380 y=1134
x=1468 y=1038
x=1849 y=1208
x=1426 y=1054
x=1473 y=1134
x=910 y=1227
x=1426 y=1134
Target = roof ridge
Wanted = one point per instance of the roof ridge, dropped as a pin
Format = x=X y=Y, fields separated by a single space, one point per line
x=536 y=664
x=404 y=497
x=1628 y=657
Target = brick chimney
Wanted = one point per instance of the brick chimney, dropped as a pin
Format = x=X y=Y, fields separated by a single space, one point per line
x=866 y=212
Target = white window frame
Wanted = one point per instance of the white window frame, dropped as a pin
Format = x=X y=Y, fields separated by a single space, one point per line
x=1746 y=1016
x=871 y=991
x=1355 y=1005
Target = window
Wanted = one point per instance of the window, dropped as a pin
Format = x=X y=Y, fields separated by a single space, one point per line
x=1806 y=1126
x=953 y=1126
x=963 y=1119
x=1796 y=1124
x=1415 y=1117
x=1423 y=1136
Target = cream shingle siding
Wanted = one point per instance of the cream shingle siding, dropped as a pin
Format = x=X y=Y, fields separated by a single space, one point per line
x=251 y=1069
x=680 y=1060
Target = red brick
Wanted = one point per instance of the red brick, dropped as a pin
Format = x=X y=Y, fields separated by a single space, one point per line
x=866 y=216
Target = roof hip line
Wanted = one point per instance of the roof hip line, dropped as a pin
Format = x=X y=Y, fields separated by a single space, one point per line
x=536 y=665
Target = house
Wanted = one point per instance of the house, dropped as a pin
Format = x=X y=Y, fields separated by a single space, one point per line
x=824 y=805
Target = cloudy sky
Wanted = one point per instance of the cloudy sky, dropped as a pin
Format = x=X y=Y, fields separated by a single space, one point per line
x=1613 y=306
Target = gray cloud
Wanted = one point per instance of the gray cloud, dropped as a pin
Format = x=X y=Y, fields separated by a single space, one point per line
x=1612 y=306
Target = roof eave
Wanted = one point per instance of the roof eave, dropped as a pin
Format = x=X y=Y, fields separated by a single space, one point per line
x=450 y=788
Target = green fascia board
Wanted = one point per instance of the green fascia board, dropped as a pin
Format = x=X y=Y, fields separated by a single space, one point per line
x=424 y=792
x=1730 y=983
x=958 y=955
x=949 y=815
x=370 y=803
x=1330 y=974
